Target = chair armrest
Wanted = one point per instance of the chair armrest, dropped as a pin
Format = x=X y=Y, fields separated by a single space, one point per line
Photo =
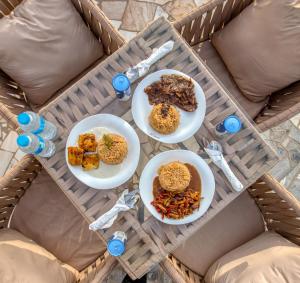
x=282 y=106
x=14 y=184
x=178 y=272
x=12 y=100
x=100 y=25
x=7 y=6
x=208 y=18
x=98 y=270
x=280 y=209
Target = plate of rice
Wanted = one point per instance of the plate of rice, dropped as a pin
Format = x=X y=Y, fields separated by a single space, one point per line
x=102 y=151
x=168 y=106
x=177 y=186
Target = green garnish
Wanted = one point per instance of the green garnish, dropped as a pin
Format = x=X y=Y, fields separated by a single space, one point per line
x=108 y=141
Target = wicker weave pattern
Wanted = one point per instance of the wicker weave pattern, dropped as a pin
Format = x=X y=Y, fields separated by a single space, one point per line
x=281 y=212
x=12 y=187
x=100 y=25
x=14 y=184
x=94 y=94
x=12 y=99
x=280 y=208
x=12 y=102
x=179 y=272
x=283 y=105
x=213 y=16
x=98 y=270
x=209 y=18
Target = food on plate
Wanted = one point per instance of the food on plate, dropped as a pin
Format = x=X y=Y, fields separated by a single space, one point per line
x=174 y=176
x=175 y=90
x=112 y=149
x=90 y=161
x=75 y=155
x=87 y=142
x=176 y=205
x=164 y=118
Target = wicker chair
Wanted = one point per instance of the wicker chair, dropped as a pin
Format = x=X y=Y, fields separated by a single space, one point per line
x=12 y=99
x=280 y=211
x=197 y=28
x=13 y=186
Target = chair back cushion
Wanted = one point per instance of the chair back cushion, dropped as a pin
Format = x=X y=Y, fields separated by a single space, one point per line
x=22 y=260
x=45 y=44
x=46 y=215
x=261 y=47
x=212 y=59
x=236 y=224
x=267 y=258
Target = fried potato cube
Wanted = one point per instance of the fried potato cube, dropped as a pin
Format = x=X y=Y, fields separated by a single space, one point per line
x=87 y=142
x=90 y=161
x=75 y=155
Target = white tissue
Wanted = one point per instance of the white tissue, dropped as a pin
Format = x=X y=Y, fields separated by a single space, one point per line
x=143 y=67
x=107 y=219
x=219 y=160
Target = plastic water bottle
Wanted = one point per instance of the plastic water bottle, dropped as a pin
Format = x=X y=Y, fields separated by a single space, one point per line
x=121 y=85
x=231 y=125
x=33 y=144
x=31 y=122
x=116 y=245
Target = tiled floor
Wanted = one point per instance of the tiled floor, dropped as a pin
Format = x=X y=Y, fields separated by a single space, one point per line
x=286 y=140
x=9 y=152
x=129 y=17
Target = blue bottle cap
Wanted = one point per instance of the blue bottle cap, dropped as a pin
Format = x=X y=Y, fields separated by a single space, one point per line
x=120 y=82
x=232 y=124
x=23 y=118
x=116 y=247
x=23 y=140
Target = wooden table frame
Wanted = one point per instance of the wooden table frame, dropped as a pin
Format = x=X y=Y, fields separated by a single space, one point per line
x=247 y=153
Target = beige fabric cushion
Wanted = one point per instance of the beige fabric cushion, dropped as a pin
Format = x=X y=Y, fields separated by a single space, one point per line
x=45 y=215
x=261 y=47
x=265 y=259
x=233 y=226
x=213 y=60
x=43 y=45
x=23 y=261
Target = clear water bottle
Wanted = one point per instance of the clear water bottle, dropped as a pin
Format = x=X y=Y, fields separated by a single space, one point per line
x=31 y=122
x=33 y=144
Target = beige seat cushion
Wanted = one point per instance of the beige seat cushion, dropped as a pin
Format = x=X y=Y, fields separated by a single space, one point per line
x=45 y=215
x=266 y=259
x=261 y=47
x=23 y=261
x=211 y=57
x=233 y=226
x=43 y=45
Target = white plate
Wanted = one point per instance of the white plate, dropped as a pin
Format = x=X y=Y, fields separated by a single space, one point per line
x=185 y=156
x=106 y=176
x=190 y=122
